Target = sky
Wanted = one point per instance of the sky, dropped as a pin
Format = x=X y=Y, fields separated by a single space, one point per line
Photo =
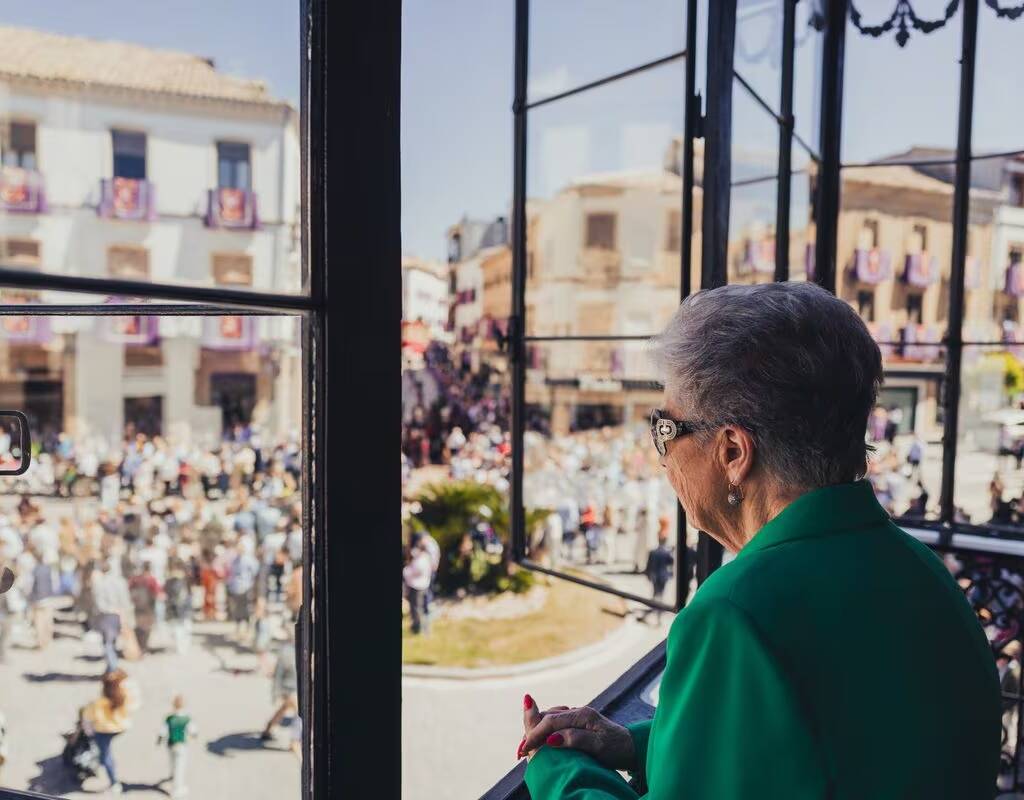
x=457 y=86
x=247 y=38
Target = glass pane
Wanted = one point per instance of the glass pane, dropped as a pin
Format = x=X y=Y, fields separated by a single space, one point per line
x=905 y=429
x=758 y=57
x=596 y=498
x=807 y=74
x=752 y=232
x=895 y=241
x=605 y=210
x=998 y=125
x=802 y=231
x=112 y=142
x=989 y=481
x=158 y=531
x=574 y=43
x=755 y=138
x=995 y=245
x=901 y=102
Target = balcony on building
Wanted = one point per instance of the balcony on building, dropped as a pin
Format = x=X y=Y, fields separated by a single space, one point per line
x=871 y=265
x=22 y=189
x=127 y=194
x=232 y=205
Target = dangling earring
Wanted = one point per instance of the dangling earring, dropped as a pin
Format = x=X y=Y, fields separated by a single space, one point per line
x=735 y=495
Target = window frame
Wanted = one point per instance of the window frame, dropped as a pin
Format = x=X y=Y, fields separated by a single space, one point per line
x=831 y=21
x=364 y=85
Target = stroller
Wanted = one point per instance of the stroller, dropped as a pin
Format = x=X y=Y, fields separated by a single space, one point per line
x=81 y=754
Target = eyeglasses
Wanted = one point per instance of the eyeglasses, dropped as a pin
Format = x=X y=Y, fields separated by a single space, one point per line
x=664 y=429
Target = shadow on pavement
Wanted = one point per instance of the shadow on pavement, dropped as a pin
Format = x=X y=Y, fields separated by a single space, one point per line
x=145 y=787
x=54 y=778
x=64 y=677
x=239 y=741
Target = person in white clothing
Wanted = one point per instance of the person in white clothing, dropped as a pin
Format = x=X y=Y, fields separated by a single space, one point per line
x=417 y=574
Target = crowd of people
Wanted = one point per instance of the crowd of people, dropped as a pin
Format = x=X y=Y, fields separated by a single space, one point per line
x=174 y=536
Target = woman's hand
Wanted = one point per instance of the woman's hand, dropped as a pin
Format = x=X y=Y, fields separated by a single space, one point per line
x=580 y=728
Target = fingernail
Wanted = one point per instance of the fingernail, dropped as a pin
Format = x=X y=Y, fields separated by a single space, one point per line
x=519 y=750
x=555 y=740
x=527 y=702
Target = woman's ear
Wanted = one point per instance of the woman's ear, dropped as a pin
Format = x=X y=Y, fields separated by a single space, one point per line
x=736 y=452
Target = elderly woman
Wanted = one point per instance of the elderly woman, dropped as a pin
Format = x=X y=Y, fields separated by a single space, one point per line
x=834 y=656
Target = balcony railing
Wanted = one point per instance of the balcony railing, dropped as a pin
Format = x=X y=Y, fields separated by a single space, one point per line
x=990 y=571
x=232 y=208
x=22 y=190
x=127 y=198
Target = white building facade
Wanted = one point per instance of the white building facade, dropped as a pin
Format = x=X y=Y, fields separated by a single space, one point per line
x=121 y=161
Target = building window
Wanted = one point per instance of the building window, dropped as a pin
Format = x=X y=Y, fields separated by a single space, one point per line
x=128 y=261
x=871 y=232
x=1017 y=190
x=232 y=269
x=921 y=237
x=675 y=232
x=600 y=231
x=866 y=305
x=18 y=144
x=914 y=308
x=20 y=253
x=233 y=166
x=129 y=154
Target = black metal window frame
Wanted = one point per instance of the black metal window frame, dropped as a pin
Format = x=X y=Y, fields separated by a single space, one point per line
x=517 y=338
x=350 y=684
x=830 y=18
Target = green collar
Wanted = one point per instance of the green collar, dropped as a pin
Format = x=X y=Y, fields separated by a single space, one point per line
x=842 y=507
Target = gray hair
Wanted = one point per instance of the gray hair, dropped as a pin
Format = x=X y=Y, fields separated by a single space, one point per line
x=790 y=362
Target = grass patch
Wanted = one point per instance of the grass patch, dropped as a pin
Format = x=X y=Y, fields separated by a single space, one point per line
x=572 y=616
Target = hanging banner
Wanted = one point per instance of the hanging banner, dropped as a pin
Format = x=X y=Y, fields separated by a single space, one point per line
x=872 y=266
x=229 y=332
x=127 y=198
x=920 y=269
x=21 y=190
x=25 y=329
x=232 y=208
x=133 y=330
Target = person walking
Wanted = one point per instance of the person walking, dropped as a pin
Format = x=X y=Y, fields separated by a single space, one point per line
x=659 y=567
x=285 y=686
x=178 y=729
x=241 y=585
x=108 y=716
x=145 y=591
x=178 y=594
x=416 y=575
x=42 y=596
x=113 y=608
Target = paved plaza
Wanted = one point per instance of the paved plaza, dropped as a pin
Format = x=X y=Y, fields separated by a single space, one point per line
x=228 y=697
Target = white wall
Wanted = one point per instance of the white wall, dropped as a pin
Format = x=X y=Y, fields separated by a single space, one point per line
x=424 y=297
x=74 y=153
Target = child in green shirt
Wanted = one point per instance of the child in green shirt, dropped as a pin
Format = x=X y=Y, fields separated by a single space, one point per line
x=179 y=728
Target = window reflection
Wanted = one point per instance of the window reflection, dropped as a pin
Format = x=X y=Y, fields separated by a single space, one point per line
x=604 y=216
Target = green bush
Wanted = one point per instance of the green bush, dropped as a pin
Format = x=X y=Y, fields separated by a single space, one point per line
x=452 y=509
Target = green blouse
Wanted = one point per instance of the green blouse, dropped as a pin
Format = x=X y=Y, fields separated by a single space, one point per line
x=834 y=657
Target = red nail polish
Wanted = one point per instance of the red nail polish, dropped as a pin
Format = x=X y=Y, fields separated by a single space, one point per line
x=519 y=750
x=527 y=702
x=555 y=740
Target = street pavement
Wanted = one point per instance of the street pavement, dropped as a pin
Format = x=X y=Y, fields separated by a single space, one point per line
x=459 y=737
x=227 y=695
